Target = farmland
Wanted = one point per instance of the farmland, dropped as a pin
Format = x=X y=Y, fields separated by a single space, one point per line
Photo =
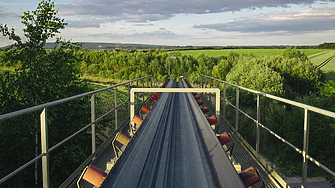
x=322 y=57
x=324 y=60
x=256 y=52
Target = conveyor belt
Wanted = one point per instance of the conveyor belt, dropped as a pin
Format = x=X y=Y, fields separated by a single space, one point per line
x=246 y=156
x=174 y=147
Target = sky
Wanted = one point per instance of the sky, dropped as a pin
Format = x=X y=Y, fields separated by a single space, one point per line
x=186 y=22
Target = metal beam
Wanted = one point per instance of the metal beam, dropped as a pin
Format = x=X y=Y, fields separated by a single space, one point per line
x=115 y=96
x=258 y=122
x=305 y=149
x=93 y=122
x=44 y=148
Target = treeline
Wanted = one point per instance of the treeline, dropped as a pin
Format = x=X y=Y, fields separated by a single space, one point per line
x=326 y=45
x=289 y=74
x=237 y=47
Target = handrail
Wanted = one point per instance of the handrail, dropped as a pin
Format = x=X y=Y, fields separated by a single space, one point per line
x=307 y=108
x=50 y=104
x=44 y=155
x=301 y=105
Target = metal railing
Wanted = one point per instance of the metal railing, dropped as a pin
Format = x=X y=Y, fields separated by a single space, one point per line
x=307 y=109
x=44 y=126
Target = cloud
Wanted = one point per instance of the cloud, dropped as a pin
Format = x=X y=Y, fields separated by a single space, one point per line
x=154 y=10
x=4 y=13
x=312 y=20
x=83 y=23
x=160 y=33
x=143 y=24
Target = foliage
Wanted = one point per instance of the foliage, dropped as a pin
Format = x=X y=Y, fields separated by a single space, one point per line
x=41 y=77
x=288 y=75
x=326 y=45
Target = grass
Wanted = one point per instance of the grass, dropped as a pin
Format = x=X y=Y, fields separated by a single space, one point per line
x=325 y=58
x=101 y=81
x=317 y=56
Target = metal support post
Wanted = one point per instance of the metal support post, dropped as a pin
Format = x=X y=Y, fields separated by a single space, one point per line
x=93 y=120
x=115 y=96
x=224 y=101
x=169 y=67
x=258 y=122
x=206 y=87
x=129 y=100
x=216 y=84
x=210 y=94
x=217 y=109
x=45 y=147
x=142 y=92
x=202 y=82
x=147 y=86
x=305 y=149
x=151 y=84
x=237 y=107
x=137 y=94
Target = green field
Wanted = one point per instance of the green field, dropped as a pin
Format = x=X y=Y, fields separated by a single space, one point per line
x=257 y=52
x=325 y=60
x=317 y=56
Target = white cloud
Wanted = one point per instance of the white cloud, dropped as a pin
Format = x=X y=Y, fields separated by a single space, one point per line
x=155 y=10
x=312 y=20
x=5 y=13
x=83 y=23
x=160 y=33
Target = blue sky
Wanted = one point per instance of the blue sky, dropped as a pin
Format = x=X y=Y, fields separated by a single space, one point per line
x=187 y=22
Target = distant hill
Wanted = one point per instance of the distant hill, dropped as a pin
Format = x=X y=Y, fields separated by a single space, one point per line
x=112 y=46
x=129 y=46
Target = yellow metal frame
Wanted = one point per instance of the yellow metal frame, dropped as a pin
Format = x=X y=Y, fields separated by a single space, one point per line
x=173 y=90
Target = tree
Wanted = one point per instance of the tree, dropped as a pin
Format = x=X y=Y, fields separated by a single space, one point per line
x=41 y=77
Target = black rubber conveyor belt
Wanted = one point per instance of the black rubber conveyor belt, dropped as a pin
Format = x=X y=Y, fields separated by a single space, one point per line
x=174 y=147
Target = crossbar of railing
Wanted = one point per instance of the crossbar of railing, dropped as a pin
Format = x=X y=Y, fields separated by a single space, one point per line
x=50 y=104
x=241 y=111
x=307 y=108
x=54 y=103
x=21 y=168
x=82 y=129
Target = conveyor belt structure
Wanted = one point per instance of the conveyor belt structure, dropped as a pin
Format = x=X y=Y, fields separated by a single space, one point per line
x=174 y=147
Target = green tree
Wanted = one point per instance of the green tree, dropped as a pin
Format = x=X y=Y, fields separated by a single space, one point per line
x=41 y=77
